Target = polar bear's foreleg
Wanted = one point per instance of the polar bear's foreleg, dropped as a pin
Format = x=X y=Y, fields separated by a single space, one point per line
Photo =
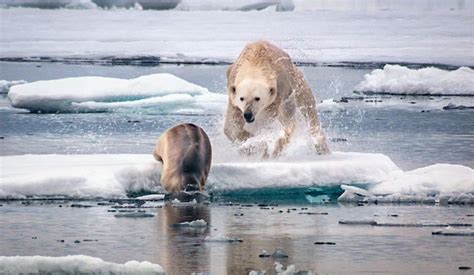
x=317 y=135
x=283 y=141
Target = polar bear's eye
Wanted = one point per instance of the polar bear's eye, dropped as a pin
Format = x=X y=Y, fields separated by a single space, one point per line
x=241 y=99
x=257 y=98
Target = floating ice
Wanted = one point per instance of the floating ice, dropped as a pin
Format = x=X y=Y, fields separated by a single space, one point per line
x=358 y=222
x=328 y=105
x=222 y=239
x=352 y=193
x=134 y=215
x=5 y=85
x=246 y=5
x=290 y=269
x=433 y=179
x=439 y=183
x=454 y=232
x=400 y=80
x=196 y=223
x=152 y=197
x=164 y=92
x=116 y=176
x=75 y=264
x=109 y=35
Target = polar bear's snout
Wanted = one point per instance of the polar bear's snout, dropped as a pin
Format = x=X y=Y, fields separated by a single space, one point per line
x=248 y=115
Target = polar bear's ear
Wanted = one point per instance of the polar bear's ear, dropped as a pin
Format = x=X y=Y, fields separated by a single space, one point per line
x=272 y=91
x=232 y=89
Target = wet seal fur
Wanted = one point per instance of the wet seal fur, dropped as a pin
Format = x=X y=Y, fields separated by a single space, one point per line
x=186 y=153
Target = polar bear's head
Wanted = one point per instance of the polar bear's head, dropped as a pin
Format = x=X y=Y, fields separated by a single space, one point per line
x=252 y=96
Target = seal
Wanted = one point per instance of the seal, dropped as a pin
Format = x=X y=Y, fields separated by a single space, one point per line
x=185 y=152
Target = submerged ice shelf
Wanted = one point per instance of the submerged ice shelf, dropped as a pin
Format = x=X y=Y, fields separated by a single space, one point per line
x=116 y=176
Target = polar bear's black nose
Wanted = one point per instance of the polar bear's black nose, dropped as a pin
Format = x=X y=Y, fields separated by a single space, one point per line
x=248 y=117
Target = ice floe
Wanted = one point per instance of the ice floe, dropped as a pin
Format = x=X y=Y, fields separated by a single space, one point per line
x=439 y=183
x=222 y=239
x=121 y=34
x=449 y=231
x=400 y=80
x=193 y=224
x=134 y=215
x=164 y=92
x=5 y=85
x=116 y=176
x=73 y=264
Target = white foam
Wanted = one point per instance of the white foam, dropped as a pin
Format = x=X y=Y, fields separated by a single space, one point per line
x=395 y=79
x=5 y=85
x=73 y=264
x=91 y=93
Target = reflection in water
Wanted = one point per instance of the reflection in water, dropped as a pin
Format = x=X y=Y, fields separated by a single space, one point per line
x=181 y=246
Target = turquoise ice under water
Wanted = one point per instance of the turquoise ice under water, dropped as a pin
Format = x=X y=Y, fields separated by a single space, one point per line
x=410 y=137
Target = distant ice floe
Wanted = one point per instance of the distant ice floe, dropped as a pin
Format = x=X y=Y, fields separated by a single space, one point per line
x=5 y=85
x=92 y=4
x=329 y=105
x=107 y=35
x=164 y=92
x=73 y=264
x=115 y=176
x=400 y=80
x=236 y=5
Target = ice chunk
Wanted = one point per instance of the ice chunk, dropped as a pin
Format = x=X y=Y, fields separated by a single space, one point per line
x=152 y=197
x=400 y=80
x=358 y=222
x=329 y=105
x=222 y=239
x=433 y=179
x=137 y=214
x=290 y=269
x=452 y=106
x=93 y=94
x=73 y=264
x=5 y=85
x=454 y=232
x=279 y=253
x=352 y=193
x=195 y=223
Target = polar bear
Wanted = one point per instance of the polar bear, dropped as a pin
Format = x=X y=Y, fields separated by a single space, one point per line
x=265 y=86
x=185 y=152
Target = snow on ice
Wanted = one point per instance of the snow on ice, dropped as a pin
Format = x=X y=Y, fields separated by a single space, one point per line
x=400 y=80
